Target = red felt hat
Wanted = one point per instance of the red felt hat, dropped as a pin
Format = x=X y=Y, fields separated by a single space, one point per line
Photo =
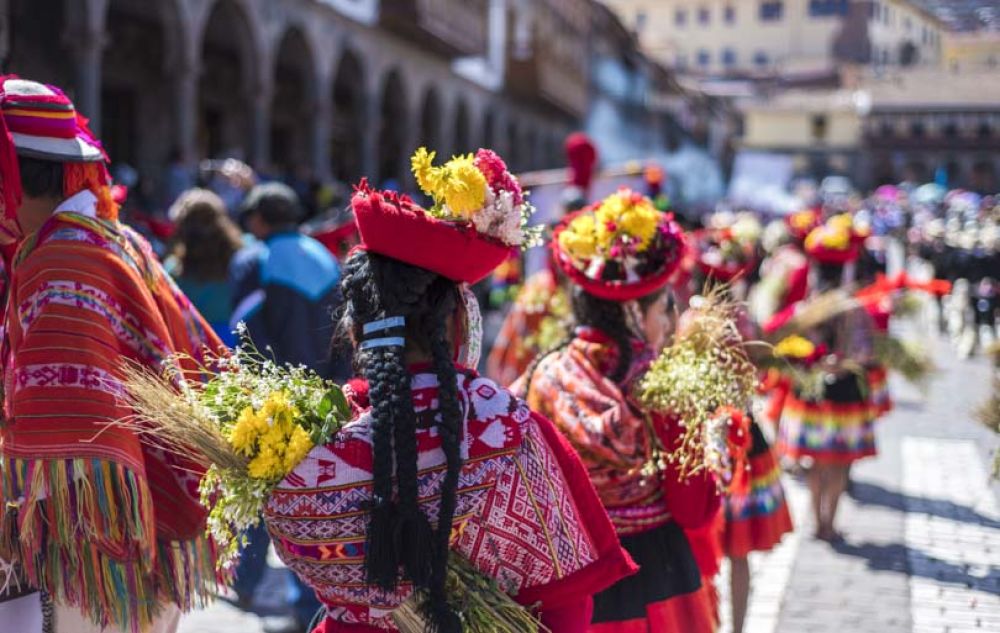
x=826 y=254
x=712 y=261
x=621 y=289
x=394 y=226
x=801 y=223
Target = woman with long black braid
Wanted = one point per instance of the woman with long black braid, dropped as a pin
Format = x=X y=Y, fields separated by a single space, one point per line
x=437 y=461
x=620 y=255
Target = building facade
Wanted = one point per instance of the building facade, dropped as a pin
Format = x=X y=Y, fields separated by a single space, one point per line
x=917 y=125
x=782 y=37
x=319 y=88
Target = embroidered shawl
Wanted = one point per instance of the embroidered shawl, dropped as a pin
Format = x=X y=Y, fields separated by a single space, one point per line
x=526 y=514
x=98 y=518
x=606 y=428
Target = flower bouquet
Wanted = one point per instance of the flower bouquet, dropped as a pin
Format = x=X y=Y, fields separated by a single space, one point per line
x=478 y=189
x=703 y=371
x=248 y=425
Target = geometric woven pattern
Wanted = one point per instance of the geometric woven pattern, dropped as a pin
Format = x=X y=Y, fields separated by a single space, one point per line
x=516 y=519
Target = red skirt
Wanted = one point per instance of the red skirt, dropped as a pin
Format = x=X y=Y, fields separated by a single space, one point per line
x=666 y=596
x=836 y=429
x=689 y=613
x=757 y=518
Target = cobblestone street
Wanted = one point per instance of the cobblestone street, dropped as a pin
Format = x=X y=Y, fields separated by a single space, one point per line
x=921 y=551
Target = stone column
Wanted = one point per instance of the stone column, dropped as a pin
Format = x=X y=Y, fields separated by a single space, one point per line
x=186 y=109
x=260 y=126
x=87 y=53
x=321 y=111
x=371 y=122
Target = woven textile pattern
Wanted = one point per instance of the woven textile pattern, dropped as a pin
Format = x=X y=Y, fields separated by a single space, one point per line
x=514 y=520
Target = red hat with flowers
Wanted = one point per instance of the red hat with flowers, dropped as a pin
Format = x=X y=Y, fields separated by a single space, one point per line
x=801 y=222
x=835 y=241
x=478 y=217
x=727 y=248
x=619 y=249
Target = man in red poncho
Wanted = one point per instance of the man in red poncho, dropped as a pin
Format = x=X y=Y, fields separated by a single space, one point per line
x=106 y=526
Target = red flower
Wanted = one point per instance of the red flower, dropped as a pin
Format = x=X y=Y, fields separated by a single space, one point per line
x=495 y=170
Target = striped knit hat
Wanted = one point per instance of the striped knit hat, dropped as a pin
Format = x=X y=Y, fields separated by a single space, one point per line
x=40 y=122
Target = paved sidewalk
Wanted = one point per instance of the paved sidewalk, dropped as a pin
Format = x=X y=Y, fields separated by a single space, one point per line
x=921 y=526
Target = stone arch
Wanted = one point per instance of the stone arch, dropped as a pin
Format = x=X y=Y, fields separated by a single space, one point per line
x=392 y=129
x=293 y=103
x=430 y=119
x=40 y=45
x=229 y=42
x=462 y=139
x=348 y=118
x=136 y=99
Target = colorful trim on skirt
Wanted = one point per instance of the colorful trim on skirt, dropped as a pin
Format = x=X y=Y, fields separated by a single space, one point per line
x=878 y=390
x=665 y=595
x=839 y=429
x=757 y=518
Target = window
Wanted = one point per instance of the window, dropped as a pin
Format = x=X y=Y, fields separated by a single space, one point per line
x=984 y=131
x=825 y=8
x=760 y=59
x=728 y=57
x=875 y=11
x=680 y=17
x=917 y=129
x=703 y=15
x=907 y=24
x=886 y=130
x=704 y=58
x=819 y=127
x=681 y=61
x=950 y=130
x=771 y=10
x=640 y=21
x=729 y=15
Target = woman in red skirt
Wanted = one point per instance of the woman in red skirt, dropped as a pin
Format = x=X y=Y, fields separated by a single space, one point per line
x=619 y=256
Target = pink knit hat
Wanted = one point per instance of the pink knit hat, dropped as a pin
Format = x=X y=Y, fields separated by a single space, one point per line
x=37 y=121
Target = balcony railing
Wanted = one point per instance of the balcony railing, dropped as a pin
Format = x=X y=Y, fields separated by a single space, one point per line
x=454 y=28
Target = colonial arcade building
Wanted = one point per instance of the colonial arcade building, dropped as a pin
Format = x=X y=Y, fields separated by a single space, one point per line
x=341 y=88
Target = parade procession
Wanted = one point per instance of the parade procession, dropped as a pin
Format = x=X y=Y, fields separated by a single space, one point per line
x=499 y=316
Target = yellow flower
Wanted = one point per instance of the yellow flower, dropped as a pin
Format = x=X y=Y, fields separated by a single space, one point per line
x=428 y=177
x=640 y=222
x=579 y=239
x=623 y=214
x=278 y=407
x=457 y=185
x=802 y=220
x=266 y=465
x=244 y=434
x=299 y=445
x=794 y=346
x=842 y=221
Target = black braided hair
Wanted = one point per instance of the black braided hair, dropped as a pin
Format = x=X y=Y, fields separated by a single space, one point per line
x=608 y=317
x=399 y=534
x=601 y=314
